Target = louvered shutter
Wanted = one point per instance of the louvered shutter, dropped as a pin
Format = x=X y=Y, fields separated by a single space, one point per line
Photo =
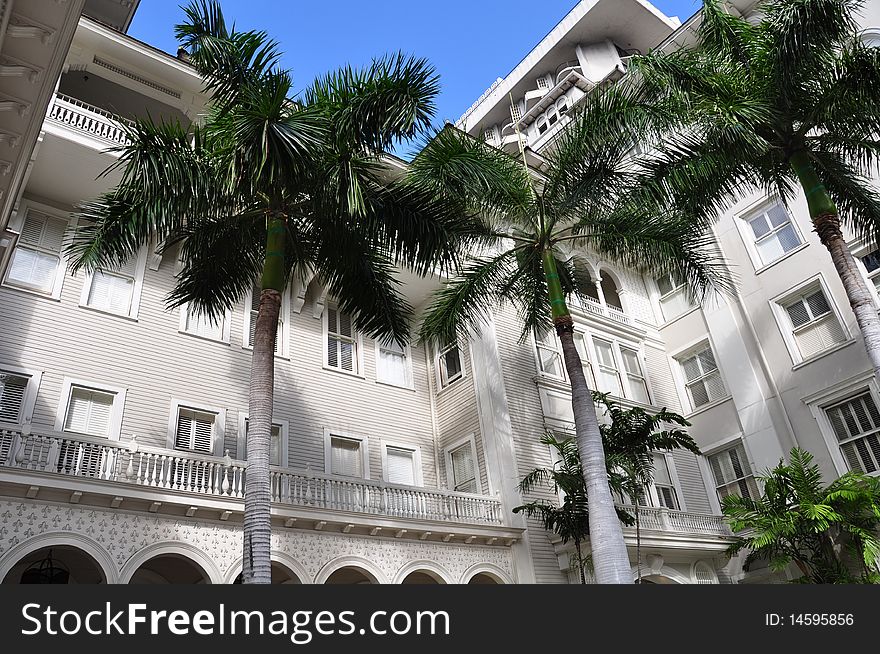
x=464 y=470
x=12 y=392
x=111 y=292
x=341 y=348
x=704 y=382
x=815 y=326
x=88 y=411
x=200 y=324
x=346 y=458
x=195 y=431
x=856 y=424
x=37 y=256
x=391 y=365
x=733 y=475
x=401 y=466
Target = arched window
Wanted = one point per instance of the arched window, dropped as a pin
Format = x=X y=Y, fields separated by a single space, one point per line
x=541 y=124
x=871 y=37
x=562 y=105
x=609 y=290
x=704 y=574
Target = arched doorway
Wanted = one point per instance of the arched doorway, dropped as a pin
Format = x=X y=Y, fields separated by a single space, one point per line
x=484 y=578
x=170 y=569
x=280 y=575
x=59 y=564
x=657 y=579
x=422 y=577
x=351 y=575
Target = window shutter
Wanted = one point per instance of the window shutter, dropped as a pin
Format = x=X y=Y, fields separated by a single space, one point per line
x=391 y=366
x=33 y=269
x=341 y=352
x=43 y=231
x=195 y=431
x=88 y=412
x=401 y=466
x=12 y=391
x=346 y=458
x=464 y=470
x=202 y=325
x=111 y=292
x=856 y=424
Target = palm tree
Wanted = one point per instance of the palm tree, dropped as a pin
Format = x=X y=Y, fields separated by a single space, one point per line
x=631 y=437
x=788 y=101
x=799 y=521
x=269 y=187
x=581 y=198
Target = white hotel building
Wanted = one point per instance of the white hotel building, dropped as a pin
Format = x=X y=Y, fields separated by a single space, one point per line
x=122 y=423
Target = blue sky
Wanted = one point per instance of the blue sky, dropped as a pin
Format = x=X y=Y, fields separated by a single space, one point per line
x=470 y=42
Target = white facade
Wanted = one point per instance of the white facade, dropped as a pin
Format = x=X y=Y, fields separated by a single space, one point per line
x=122 y=423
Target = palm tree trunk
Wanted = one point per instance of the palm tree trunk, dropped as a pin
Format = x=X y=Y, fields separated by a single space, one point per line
x=577 y=546
x=610 y=559
x=256 y=561
x=826 y=222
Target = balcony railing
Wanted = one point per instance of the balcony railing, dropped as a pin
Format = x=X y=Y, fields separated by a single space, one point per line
x=83 y=457
x=662 y=519
x=591 y=306
x=88 y=119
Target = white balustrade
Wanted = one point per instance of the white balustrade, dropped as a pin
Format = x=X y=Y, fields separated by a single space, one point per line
x=663 y=519
x=86 y=118
x=82 y=456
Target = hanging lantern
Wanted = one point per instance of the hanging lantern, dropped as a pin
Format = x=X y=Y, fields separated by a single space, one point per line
x=46 y=571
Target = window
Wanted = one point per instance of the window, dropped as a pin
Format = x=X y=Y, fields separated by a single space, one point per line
x=562 y=105
x=545 y=82
x=549 y=356
x=195 y=431
x=462 y=468
x=580 y=343
x=117 y=290
x=200 y=324
x=251 y=321
x=36 y=261
x=663 y=484
x=342 y=342
x=773 y=232
x=490 y=135
x=733 y=474
x=856 y=424
x=704 y=573
x=449 y=364
x=516 y=111
x=814 y=325
x=347 y=457
x=609 y=290
x=872 y=266
x=541 y=124
x=635 y=378
x=277 y=446
x=702 y=378
x=392 y=364
x=608 y=379
x=89 y=411
x=13 y=391
x=402 y=464
x=675 y=298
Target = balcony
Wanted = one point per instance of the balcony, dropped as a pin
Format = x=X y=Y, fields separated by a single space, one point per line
x=597 y=309
x=671 y=521
x=218 y=483
x=86 y=119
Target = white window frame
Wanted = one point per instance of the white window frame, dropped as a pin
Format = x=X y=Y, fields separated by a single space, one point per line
x=681 y=382
x=16 y=223
x=783 y=322
x=330 y=434
x=407 y=353
x=709 y=475
x=673 y=477
x=227 y=326
x=640 y=360
x=469 y=440
x=241 y=440
x=860 y=251
x=819 y=403
x=358 y=339
x=219 y=424
x=114 y=428
x=284 y=315
x=29 y=401
x=418 y=480
x=538 y=346
x=741 y=220
x=439 y=352
x=654 y=287
x=137 y=288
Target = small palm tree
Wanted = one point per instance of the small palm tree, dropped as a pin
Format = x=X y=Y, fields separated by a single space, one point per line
x=799 y=521
x=583 y=198
x=789 y=101
x=272 y=188
x=631 y=437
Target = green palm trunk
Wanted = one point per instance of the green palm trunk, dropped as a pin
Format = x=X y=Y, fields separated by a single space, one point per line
x=826 y=223
x=610 y=558
x=256 y=561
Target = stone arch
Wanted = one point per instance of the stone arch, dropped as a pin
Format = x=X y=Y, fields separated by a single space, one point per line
x=612 y=287
x=439 y=574
x=293 y=566
x=183 y=550
x=356 y=562
x=61 y=539
x=662 y=575
x=493 y=572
